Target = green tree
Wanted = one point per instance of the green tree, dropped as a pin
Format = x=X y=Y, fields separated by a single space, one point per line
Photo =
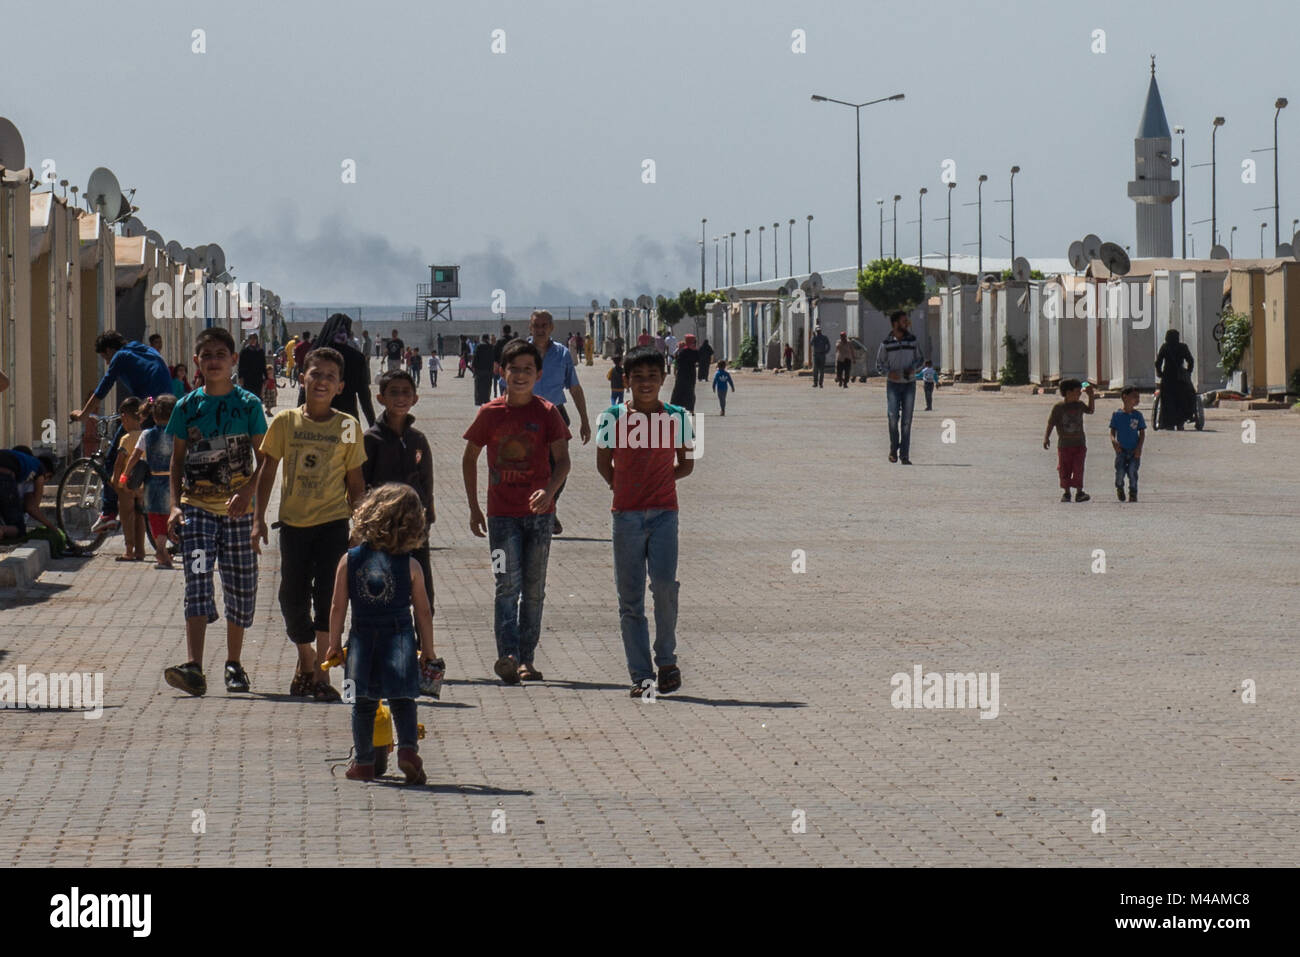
x=670 y=310
x=1016 y=369
x=1236 y=338
x=749 y=353
x=1033 y=274
x=890 y=284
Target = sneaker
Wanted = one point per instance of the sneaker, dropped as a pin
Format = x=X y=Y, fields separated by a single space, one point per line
x=1065 y=496
x=1119 y=492
x=236 y=677
x=507 y=669
x=188 y=678
x=1132 y=496
x=670 y=679
x=360 y=772
x=408 y=761
x=905 y=461
x=302 y=686
x=1081 y=496
x=324 y=691
x=107 y=522
x=639 y=691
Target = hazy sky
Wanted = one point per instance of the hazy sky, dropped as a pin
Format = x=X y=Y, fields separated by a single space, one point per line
x=526 y=167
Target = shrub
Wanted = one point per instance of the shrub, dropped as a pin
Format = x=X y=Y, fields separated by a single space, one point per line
x=749 y=353
x=1016 y=369
x=891 y=284
x=1236 y=339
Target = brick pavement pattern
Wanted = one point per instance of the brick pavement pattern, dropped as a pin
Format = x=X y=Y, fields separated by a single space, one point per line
x=1119 y=691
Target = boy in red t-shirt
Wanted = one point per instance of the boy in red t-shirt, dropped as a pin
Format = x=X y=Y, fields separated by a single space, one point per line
x=522 y=433
x=641 y=451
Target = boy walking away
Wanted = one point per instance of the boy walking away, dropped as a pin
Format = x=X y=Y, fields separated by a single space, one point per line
x=843 y=360
x=643 y=476
x=929 y=376
x=396 y=451
x=215 y=430
x=1071 y=444
x=322 y=451
x=155 y=449
x=523 y=433
x=616 y=384
x=1128 y=432
x=722 y=383
x=435 y=366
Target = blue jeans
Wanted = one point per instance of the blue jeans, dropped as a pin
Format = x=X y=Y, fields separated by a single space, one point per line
x=1126 y=463
x=646 y=541
x=363 y=726
x=521 y=584
x=901 y=398
x=722 y=399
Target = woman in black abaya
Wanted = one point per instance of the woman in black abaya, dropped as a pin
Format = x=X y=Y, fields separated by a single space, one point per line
x=356 y=369
x=1174 y=366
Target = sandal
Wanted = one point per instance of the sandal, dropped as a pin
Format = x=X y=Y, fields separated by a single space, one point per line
x=507 y=670
x=670 y=679
x=527 y=672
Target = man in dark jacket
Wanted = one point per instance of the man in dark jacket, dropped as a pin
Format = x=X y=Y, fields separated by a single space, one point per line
x=252 y=366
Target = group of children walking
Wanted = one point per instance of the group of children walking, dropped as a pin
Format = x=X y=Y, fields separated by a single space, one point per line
x=1127 y=436
x=354 y=517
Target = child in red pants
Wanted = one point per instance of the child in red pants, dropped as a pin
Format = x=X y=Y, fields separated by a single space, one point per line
x=1071 y=445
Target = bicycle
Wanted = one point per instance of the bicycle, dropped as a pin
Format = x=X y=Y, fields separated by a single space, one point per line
x=81 y=491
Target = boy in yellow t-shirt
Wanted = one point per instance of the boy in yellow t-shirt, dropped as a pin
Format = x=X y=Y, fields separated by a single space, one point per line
x=322 y=451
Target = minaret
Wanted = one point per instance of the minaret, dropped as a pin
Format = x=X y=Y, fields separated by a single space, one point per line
x=1153 y=187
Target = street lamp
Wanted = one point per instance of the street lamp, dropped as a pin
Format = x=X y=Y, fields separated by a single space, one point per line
x=1262 y=227
x=1214 y=184
x=731 y=281
x=702 y=222
x=789 y=241
x=776 y=254
x=1014 y=171
x=747 y=255
x=857 y=122
x=951 y=187
x=810 y=244
x=1279 y=106
x=1232 y=234
x=1182 y=183
x=920 y=224
x=715 y=262
x=881 y=204
x=760 y=252
x=895 y=222
x=979 y=203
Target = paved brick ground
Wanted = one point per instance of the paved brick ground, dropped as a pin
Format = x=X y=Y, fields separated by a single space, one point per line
x=1118 y=691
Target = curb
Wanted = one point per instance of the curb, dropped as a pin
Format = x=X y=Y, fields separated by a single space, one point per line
x=21 y=567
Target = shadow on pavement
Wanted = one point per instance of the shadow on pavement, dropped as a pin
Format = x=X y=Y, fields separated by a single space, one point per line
x=576 y=538
x=588 y=685
x=34 y=594
x=452 y=788
x=731 y=702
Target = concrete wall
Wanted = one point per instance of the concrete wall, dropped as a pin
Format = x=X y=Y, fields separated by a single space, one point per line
x=1282 y=319
x=15 y=308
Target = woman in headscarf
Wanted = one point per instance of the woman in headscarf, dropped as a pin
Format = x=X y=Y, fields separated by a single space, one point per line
x=686 y=366
x=1174 y=366
x=336 y=334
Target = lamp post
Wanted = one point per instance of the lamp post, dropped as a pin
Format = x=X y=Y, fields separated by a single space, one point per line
x=776 y=253
x=789 y=241
x=1014 y=171
x=895 y=222
x=920 y=228
x=1279 y=106
x=1262 y=227
x=1232 y=234
x=1182 y=183
x=702 y=222
x=979 y=203
x=951 y=187
x=857 y=122
x=747 y=255
x=760 y=252
x=1214 y=184
x=810 y=244
x=880 y=204
x=731 y=280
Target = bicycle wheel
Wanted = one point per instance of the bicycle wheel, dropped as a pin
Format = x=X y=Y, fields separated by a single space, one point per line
x=78 y=500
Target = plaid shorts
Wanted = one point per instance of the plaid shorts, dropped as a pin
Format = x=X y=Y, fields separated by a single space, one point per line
x=224 y=543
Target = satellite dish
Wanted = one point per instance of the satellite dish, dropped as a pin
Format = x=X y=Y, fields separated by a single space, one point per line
x=1077 y=259
x=644 y=302
x=1115 y=259
x=192 y=258
x=595 y=305
x=628 y=304
x=1285 y=251
x=1295 y=240
x=790 y=286
x=1220 y=252
x=104 y=194
x=13 y=155
x=214 y=259
x=156 y=238
x=133 y=227
x=1020 y=269
x=813 y=284
x=124 y=211
x=1092 y=246
x=613 y=304
x=176 y=251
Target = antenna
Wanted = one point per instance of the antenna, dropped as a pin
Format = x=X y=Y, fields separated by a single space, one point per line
x=1092 y=246
x=104 y=195
x=1220 y=252
x=133 y=227
x=1020 y=269
x=1115 y=259
x=13 y=155
x=1077 y=259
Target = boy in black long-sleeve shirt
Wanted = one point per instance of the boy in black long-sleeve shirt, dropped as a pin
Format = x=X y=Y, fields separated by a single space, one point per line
x=396 y=451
